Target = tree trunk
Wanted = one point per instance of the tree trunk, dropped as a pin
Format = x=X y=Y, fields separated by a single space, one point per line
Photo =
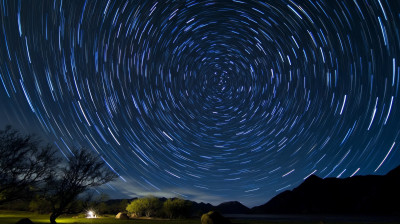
x=53 y=217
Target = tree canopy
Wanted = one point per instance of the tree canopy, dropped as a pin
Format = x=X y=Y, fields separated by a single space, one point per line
x=27 y=168
x=147 y=206
x=176 y=208
x=82 y=171
x=24 y=165
x=151 y=206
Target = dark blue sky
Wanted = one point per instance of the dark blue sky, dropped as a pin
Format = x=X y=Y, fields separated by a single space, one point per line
x=208 y=100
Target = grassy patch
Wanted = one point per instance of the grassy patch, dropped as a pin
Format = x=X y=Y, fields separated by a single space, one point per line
x=11 y=217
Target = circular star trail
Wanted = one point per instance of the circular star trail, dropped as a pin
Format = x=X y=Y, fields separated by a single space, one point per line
x=208 y=100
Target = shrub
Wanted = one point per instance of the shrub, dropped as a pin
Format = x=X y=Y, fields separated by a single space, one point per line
x=177 y=208
x=148 y=206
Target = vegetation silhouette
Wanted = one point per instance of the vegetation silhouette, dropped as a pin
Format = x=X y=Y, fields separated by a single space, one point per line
x=82 y=171
x=30 y=171
x=147 y=206
x=177 y=208
x=25 y=165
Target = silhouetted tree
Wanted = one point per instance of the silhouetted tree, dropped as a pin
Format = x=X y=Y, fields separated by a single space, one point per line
x=24 y=165
x=82 y=171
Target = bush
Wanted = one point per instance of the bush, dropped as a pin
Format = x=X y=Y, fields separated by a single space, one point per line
x=214 y=217
x=136 y=207
x=148 y=206
x=177 y=208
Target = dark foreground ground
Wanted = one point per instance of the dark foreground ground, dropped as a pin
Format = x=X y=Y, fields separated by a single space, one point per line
x=316 y=218
x=11 y=217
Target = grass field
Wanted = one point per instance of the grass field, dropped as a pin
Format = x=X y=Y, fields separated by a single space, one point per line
x=11 y=217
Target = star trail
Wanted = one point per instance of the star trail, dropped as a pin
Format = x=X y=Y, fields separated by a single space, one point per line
x=208 y=100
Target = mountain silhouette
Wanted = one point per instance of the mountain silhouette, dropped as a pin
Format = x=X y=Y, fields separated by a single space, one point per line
x=231 y=207
x=370 y=194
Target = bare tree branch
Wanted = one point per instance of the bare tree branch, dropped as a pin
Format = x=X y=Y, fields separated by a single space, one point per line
x=24 y=165
x=83 y=170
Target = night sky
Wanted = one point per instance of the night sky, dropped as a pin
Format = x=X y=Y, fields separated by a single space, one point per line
x=207 y=100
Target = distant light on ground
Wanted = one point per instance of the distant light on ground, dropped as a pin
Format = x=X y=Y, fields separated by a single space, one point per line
x=91 y=215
